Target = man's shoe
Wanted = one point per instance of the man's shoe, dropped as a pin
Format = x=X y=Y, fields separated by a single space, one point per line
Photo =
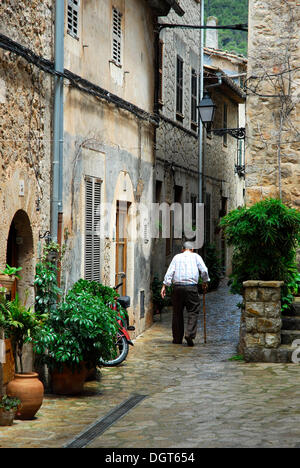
x=189 y=341
x=176 y=342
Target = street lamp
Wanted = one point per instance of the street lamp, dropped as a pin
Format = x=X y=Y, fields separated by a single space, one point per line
x=207 y=109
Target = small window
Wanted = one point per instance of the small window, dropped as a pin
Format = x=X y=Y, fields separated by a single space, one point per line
x=92 y=228
x=225 y=110
x=73 y=18
x=194 y=88
x=160 y=72
x=117 y=37
x=179 y=89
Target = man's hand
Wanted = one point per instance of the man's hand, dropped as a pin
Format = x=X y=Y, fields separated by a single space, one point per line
x=163 y=291
x=204 y=287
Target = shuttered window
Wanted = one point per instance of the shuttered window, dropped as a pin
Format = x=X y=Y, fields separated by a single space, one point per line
x=73 y=17
x=194 y=97
x=92 y=228
x=179 y=88
x=117 y=36
x=160 y=72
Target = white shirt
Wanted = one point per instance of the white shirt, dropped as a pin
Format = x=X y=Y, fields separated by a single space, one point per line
x=185 y=268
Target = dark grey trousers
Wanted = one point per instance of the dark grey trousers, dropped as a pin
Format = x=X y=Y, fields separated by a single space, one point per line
x=185 y=296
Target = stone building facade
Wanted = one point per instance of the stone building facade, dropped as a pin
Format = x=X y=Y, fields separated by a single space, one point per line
x=25 y=138
x=109 y=146
x=177 y=167
x=273 y=103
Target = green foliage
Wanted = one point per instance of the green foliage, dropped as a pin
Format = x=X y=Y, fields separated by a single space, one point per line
x=11 y=271
x=213 y=262
x=9 y=403
x=230 y=12
x=158 y=301
x=19 y=323
x=47 y=290
x=237 y=357
x=265 y=238
x=80 y=329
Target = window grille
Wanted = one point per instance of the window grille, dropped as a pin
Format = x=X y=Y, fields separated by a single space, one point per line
x=92 y=228
x=73 y=17
x=117 y=36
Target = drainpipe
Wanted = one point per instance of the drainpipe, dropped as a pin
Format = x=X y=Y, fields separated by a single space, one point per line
x=57 y=162
x=201 y=80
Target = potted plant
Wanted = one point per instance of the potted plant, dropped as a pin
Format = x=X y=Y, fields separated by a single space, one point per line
x=20 y=324
x=79 y=331
x=8 y=277
x=8 y=408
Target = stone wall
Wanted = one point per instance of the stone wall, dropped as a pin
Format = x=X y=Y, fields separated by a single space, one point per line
x=273 y=102
x=260 y=333
x=25 y=135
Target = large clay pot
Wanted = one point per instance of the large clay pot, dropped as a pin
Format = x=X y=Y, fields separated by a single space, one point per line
x=29 y=389
x=67 y=381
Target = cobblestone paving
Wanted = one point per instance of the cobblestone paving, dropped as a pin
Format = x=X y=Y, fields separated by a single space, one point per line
x=196 y=397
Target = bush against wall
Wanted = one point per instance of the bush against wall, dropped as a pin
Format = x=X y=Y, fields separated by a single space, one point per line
x=265 y=238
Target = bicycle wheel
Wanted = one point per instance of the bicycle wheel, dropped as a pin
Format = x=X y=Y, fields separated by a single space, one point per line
x=122 y=351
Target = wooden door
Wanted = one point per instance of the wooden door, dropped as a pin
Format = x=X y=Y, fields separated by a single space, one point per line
x=121 y=245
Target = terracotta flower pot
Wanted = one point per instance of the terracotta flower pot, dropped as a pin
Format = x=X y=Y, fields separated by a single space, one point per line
x=68 y=381
x=29 y=389
x=7 y=417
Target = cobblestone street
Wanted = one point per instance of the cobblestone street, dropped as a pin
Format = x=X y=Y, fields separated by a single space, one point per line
x=195 y=396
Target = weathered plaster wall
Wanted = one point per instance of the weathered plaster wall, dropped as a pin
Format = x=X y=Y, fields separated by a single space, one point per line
x=274 y=50
x=111 y=144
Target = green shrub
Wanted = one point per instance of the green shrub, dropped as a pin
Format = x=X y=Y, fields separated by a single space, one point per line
x=82 y=328
x=158 y=301
x=213 y=262
x=265 y=238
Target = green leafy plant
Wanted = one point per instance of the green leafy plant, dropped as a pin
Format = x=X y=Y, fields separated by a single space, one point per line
x=158 y=301
x=8 y=403
x=81 y=329
x=265 y=238
x=237 y=357
x=20 y=323
x=47 y=290
x=11 y=271
x=213 y=262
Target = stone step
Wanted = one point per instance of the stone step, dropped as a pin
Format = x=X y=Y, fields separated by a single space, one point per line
x=288 y=336
x=284 y=353
x=296 y=306
x=290 y=323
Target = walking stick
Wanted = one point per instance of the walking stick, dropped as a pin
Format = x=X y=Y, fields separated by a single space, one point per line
x=204 y=316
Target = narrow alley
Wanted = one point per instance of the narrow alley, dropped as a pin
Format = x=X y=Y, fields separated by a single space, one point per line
x=194 y=396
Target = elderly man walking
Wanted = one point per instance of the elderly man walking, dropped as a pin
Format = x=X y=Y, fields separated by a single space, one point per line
x=183 y=273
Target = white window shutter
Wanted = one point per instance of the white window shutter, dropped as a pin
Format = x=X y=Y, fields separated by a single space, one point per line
x=92 y=229
x=117 y=36
x=73 y=17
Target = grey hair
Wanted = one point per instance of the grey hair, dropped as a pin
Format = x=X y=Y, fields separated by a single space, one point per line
x=188 y=245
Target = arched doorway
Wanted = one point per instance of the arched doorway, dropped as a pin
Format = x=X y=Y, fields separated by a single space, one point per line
x=20 y=253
